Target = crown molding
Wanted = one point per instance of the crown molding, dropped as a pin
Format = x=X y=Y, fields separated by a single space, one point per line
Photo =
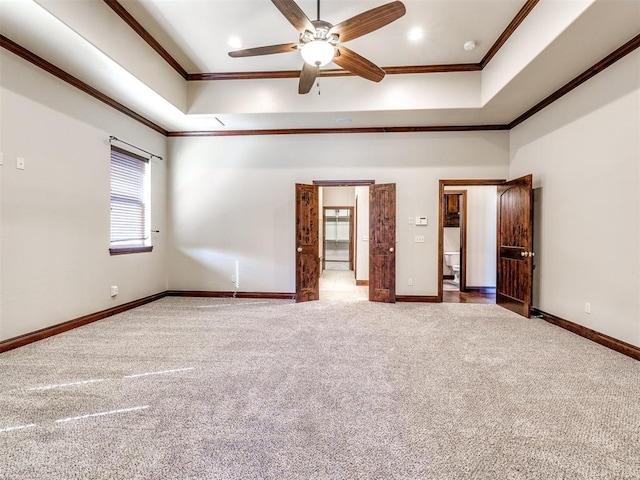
x=504 y=36
x=600 y=66
x=276 y=74
x=146 y=36
x=40 y=62
x=316 y=131
x=591 y=72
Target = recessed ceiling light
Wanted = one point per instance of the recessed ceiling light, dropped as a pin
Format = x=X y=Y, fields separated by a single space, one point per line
x=234 y=42
x=415 y=34
x=469 y=45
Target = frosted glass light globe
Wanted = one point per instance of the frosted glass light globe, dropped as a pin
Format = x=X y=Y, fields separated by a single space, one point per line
x=318 y=53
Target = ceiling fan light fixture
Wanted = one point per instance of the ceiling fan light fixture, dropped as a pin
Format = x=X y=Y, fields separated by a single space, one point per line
x=318 y=53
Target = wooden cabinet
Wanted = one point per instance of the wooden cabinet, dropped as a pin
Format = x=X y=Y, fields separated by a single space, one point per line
x=451 y=207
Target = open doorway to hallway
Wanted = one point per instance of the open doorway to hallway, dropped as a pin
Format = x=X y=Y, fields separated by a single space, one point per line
x=344 y=251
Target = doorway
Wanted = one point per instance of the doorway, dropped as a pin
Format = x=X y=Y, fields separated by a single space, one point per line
x=467 y=241
x=337 y=238
x=376 y=261
x=343 y=218
x=454 y=277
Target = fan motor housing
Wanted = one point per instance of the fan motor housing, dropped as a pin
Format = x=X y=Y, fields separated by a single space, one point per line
x=322 y=29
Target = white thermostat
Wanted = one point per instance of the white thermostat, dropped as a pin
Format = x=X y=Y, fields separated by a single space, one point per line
x=422 y=221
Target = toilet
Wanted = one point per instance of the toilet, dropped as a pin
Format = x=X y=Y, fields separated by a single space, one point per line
x=452 y=260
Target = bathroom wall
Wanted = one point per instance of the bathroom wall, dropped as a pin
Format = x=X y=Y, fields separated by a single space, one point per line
x=451 y=244
x=451 y=239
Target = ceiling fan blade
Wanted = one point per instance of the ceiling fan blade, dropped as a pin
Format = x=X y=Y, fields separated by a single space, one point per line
x=252 y=52
x=308 y=75
x=350 y=60
x=294 y=14
x=368 y=21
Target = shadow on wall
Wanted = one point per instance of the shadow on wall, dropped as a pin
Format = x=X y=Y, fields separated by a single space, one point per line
x=603 y=94
x=537 y=244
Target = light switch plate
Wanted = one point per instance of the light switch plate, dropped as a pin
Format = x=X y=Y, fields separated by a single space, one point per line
x=419 y=239
x=20 y=163
x=1 y=158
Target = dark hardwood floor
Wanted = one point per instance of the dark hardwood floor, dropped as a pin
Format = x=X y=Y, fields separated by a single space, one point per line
x=474 y=296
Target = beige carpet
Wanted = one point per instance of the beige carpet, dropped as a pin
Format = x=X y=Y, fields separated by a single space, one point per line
x=251 y=389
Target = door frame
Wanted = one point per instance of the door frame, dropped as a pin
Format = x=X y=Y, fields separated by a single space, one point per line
x=441 y=190
x=463 y=236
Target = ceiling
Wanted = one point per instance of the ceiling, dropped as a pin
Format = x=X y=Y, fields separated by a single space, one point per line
x=166 y=59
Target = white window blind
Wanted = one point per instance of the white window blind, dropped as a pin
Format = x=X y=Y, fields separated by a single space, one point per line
x=129 y=212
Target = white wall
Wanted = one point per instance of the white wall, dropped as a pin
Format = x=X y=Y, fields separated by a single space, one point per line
x=451 y=239
x=233 y=199
x=362 y=233
x=481 y=235
x=54 y=215
x=584 y=154
x=338 y=196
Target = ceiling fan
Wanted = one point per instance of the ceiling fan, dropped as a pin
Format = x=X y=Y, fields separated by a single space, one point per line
x=320 y=42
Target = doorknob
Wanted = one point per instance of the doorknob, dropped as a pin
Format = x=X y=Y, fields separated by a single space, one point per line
x=299 y=249
x=523 y=254
x=392 y=249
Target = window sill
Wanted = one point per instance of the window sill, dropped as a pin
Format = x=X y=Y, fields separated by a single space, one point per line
x=129 y=249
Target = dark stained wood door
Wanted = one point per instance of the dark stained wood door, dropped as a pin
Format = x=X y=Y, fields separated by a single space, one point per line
x=307 y=244
x=515 y=245
x=382 y=243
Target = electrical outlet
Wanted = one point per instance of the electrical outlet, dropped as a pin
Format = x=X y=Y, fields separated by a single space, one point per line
x=114 y=290
x=20 y=163
x=410 y=282
x=587 y=307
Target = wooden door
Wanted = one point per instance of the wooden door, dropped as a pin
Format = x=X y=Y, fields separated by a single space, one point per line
x=307 y=247
x=515 y=245
x=382 y=243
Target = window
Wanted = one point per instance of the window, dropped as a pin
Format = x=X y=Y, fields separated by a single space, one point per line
x=130 y=231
